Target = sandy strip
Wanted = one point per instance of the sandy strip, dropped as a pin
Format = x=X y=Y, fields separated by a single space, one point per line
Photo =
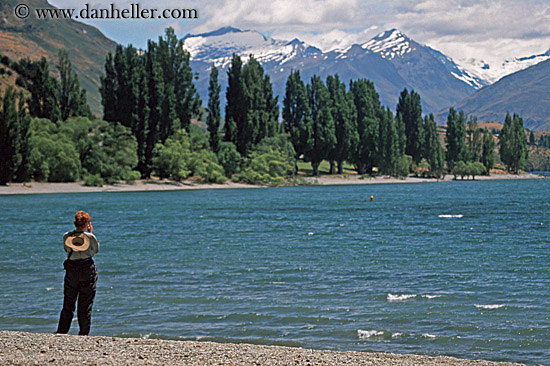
x=17 y=348
x=152 y=185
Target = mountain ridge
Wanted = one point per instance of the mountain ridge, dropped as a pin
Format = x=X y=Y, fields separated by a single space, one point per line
x=391 y=60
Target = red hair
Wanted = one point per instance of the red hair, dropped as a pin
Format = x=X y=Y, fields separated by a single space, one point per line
x=81 y=219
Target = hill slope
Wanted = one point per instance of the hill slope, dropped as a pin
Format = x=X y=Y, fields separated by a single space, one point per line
x=525 y=92
x=34 y=38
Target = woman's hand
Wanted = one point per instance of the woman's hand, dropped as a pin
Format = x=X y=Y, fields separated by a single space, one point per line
x=90 y=227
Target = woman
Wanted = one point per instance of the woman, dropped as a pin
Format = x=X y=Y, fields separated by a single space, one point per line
x=80 y=274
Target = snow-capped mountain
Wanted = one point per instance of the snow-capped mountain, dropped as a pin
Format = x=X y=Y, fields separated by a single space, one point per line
x=491 y=73
x=391 y=60
x=218 y=47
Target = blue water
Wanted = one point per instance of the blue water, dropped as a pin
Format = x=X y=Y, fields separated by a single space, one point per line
x=449 y=268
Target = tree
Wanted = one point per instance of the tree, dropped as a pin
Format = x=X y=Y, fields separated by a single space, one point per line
x=324 y=138
x=296 y=116
x=433 y=152
x=488 y=151
x=235 y=108
x=389 y=144
x=369 y=110
x=455 y=137
x=475 y=142
x=72 y=100
x=44 y=102
x=409 y=109
x=344 y=115
x=107 y=89
x=513 y=143
x=14 y=130
x=214 y=115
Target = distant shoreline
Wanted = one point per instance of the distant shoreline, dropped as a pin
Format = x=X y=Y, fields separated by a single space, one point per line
x=18 y=348
x=156 y=185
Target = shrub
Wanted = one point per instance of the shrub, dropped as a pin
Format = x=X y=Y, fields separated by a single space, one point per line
x=93 y=180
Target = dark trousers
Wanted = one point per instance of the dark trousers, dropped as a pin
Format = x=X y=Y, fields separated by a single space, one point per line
x=80 y=283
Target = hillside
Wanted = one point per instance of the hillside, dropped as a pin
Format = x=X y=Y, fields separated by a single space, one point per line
x=525 y=92
x=34 y=38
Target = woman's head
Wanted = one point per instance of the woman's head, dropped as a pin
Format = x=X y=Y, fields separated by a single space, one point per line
x=81 y=220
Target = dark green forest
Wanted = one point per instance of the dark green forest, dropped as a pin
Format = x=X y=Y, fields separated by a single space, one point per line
x=154 y=125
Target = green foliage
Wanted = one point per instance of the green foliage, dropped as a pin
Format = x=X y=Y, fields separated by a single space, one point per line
x=204 y=165
x=65 y=151
x=456 y=137
x=251 y=112
x=171 y=159
x=344 y=115
x=270 y=162
x=369 y=112
x=513 y=143
x=404 y=164
x=151 y=92
x=409 y=111
x=93 y=180
x=464 y=169
x=324 y=138
x=214 y=115
x=14 y=134
x=296 y=115
x=53 y=156
x=229 y=158
x=433 y=152
x=488 y=151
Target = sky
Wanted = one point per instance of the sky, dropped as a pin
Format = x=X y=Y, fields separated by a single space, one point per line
x=488 y=30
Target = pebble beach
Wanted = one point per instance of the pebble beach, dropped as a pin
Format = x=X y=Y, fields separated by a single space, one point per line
x=21 y=349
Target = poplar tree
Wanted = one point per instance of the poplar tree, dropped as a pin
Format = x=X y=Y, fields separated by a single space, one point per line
x=44 y=102
x=107 y=89
x=389 y=144
x=513 y=143
x=235 y=108
x=367 y=105
x=488 y=151
x=433 y=152
x=324 y=137
x=213 y=117
x=409 y=109
x=14 y=132
x=296 y=116
x=72 y=99
x=455 y=138
x=345 y=128
x=475 y=142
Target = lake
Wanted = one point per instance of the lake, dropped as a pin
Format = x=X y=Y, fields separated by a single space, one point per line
x=448 y=268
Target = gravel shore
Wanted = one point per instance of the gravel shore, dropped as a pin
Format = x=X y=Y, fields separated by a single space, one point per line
x=165 y=185
x=18 y=348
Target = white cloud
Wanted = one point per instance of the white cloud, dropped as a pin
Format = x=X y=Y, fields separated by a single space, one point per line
x=484 y=29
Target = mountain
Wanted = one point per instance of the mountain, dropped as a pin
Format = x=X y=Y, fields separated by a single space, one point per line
x=525 y=92
x=34 y=38
x=492 y=73
x=391 y=60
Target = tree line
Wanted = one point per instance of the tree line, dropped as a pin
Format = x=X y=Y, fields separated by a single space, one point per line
x=149 y=102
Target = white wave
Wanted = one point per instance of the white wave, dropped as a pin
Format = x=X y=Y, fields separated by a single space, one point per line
x=452 y=216
x=49 y=288
x=428 y=335
x=396 y=335
x=431 y=296
x=364 y=334
x=310 y=233
x=490 y=307
x=403 y=297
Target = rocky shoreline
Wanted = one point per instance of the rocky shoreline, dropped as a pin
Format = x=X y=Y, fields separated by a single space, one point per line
x=21 y=349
